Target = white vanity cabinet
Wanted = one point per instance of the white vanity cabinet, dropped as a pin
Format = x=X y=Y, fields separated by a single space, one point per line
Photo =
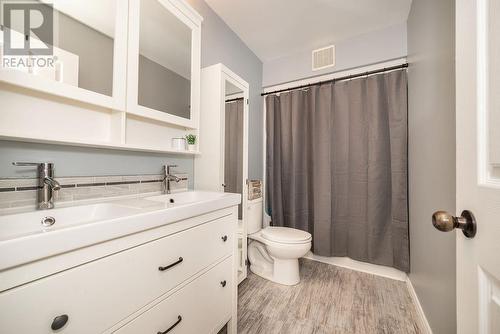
x=185 y=278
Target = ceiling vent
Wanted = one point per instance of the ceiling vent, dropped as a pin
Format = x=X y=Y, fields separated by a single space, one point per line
x=323 y=58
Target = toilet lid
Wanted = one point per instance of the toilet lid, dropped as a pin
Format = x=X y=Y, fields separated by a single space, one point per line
x=285 y=235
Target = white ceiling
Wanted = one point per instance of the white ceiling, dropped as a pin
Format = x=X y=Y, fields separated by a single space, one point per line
x=276 y=28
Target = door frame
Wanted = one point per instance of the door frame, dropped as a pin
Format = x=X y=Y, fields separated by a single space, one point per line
x=229 y=76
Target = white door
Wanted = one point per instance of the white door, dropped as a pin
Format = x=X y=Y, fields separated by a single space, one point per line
x=478 y=164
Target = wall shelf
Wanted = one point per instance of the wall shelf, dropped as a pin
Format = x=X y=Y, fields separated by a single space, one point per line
x=103 y=145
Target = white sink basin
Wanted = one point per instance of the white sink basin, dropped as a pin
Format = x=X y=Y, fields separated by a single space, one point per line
x=17 y=225
x=187 y=197
x=25 y=239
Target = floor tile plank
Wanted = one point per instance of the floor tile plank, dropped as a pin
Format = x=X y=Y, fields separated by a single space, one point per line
x=328 y=299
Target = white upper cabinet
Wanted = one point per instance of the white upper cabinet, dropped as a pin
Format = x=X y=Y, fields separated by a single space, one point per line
x=164 y=62
x=79 y=52
x=141 y=57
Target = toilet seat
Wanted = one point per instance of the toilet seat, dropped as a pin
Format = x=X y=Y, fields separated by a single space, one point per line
x=285 y=235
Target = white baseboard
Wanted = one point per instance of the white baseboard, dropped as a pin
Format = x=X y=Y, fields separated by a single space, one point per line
x=423 y=319
x=368 y=268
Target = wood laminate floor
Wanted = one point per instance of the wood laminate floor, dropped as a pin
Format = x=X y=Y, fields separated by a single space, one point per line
x=328 y=299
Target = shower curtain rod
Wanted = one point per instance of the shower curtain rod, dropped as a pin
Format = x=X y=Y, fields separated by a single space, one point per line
x=347 y=77
x=236 y=99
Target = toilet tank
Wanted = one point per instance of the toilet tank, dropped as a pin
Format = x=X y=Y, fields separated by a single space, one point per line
x=254 y=214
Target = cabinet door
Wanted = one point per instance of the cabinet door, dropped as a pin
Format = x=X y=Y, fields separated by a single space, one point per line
x=164 y=62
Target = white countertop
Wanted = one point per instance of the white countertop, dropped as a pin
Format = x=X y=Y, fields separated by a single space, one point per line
x=23 y=239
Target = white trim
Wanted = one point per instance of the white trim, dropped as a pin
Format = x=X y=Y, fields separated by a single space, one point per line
x=235 y=96
x=485 y=177
x=40 y=84
x=189 y=11
x=266 y=219
x=229 y=76
x=364 y=267
x=120 y=57
x=424 y=323
x=484 y=300
x=238 y=81
x=482 y=94
x=160 y=116
x=330 y=76
x=234 y=79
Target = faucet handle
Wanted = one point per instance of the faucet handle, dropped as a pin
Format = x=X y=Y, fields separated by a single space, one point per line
x=29 y=164
x=44 y=168
x=167 y=168
x=25 y=164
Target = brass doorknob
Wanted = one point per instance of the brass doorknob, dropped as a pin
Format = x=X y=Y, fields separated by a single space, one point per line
x=446 y=222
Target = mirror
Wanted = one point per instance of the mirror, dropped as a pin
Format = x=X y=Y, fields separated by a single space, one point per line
x=80 y=43
x=233 y=141
x=164 y=82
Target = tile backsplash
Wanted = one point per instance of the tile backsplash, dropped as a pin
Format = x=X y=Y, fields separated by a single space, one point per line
x=23 y=191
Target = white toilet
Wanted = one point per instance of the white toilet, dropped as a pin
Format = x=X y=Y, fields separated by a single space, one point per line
x=274 y=252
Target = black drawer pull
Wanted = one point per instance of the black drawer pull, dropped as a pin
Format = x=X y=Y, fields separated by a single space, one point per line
x=224 y=238
x=223 y=283
x=179 y=319
x=59 y=322
x=171 y=265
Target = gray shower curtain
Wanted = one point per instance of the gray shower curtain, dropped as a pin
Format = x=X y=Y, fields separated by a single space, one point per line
x=336 y=166
x=233 y=152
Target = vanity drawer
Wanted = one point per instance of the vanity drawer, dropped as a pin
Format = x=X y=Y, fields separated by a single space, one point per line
x=97 y=295
x=199 y=307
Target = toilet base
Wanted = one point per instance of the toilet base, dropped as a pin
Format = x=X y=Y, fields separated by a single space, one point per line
x=259 y=271
x=284 y=272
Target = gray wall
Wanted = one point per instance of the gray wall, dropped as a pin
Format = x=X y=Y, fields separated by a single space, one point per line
x=219 y=44
x=370 y=48
x=163 y=89
x=432 y=157
x=95 y=52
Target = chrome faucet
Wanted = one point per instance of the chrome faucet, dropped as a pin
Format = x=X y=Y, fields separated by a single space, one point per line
x=168 y=177
x=46 y=183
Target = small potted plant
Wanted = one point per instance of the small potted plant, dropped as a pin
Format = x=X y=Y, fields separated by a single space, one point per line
x=191 y=140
